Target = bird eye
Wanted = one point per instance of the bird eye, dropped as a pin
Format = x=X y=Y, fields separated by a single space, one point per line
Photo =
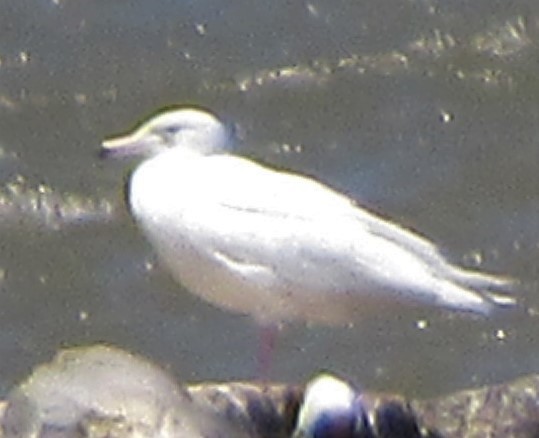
x=171 y=129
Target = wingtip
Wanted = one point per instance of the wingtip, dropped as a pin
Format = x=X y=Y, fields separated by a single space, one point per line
x=501 y=300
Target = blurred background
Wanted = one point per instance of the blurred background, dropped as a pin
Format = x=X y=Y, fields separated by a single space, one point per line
x=424 y=111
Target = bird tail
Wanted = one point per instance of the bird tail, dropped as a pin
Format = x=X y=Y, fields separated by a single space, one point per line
x=483 y=285
x=480 y=280
x=499 y=300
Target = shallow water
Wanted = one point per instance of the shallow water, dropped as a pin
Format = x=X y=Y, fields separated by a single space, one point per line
x=425 y=112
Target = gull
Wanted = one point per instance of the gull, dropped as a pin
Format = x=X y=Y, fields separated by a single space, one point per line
x=276 y=245
x=331 y=407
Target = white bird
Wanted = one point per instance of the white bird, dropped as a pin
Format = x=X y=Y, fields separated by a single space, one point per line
x=277 y=245
x=331 y=408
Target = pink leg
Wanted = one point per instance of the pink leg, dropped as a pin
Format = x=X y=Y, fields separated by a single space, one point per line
x=268 y=339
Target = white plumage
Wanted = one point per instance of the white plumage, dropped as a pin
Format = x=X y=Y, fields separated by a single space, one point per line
x=331 y=408
x=277 y=245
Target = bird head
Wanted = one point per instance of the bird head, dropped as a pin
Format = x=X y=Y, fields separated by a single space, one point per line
x=192 y=129
x=331 y=408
